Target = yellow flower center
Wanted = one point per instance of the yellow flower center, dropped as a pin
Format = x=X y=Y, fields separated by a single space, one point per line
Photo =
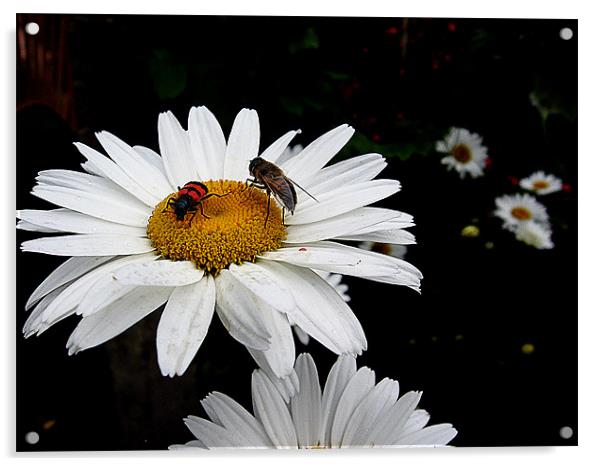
x=521 y=213
x=462 y=153
x=540 y=184
x=233 y=230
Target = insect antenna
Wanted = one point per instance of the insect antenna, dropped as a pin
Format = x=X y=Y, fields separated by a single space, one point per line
x=303 y=189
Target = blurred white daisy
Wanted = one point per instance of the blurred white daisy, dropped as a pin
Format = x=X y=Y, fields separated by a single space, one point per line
x=535 y=234
x=352 y=411
x=395 y=250
x=540 y=183
x=518 y=209
x=465 y=152
x=131 y=255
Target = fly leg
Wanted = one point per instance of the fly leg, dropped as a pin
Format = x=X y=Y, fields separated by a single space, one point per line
x=265 y=224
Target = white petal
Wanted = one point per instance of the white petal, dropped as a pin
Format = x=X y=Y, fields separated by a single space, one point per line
x=362 y=168
x=261 y=282
x=207 y=142
x=439 y=434
x=286 y=386
x=391 y=425
x=147 y=175
x=105 y=291
x=116 y=318
x=338 y=258
x=192 y=445
x=281 y=354
x=87 y=183
x=159 y=273
x=184 y=325
x=243 y=145
x=343 y=199
x=270 y=408
x=89 y=245
x=107 y=207
x=301 y=335
x=402 y=221
x=65 y=220
x=34 y=322
x=319 y=309
x=374 y=405
x=306 y=405
x=27 y=226
x=340 y=225
x=341 y=373
x=212 y=435
x=115 y=173
x=365 y=169
x=385 y=236
x=328 y=256
x=303 y=167
x=74 y=294
x=90 y=168
x=226 y=412
x=418 y=419
x=357 y=388
x=175 y=150
x=277 y=147
x=237 y=308
x=69 y=270
x=152 y=158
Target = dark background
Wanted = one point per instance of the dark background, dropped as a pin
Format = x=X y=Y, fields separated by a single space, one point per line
x=401 y=83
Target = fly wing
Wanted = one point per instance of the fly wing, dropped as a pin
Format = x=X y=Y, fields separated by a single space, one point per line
x=283 y=190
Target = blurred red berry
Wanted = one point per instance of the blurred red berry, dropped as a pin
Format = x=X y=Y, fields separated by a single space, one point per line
x=488 y=162
x=392 y=30
x=451 y=27
x=566 y=187
x=513 y=180
x=376 y=137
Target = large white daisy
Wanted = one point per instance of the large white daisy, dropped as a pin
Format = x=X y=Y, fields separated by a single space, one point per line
x=465 y=152
x=131 y=255
x=352 y=411
x=518 y=209
x=540 y=183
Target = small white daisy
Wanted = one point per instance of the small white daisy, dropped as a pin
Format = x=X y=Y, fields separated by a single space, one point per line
x=535 y=234
x=465 y=152
x=352 y=411
x=131 y=255
x=395 y=250
x=540 y=183
x=517 y=209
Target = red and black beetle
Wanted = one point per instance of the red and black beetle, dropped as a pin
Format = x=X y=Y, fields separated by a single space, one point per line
x=189 y=198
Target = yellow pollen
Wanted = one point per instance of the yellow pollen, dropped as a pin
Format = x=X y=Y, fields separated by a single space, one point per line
x=236 y=230
x=540 y=184
x=521 y=213
x=462 y=153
